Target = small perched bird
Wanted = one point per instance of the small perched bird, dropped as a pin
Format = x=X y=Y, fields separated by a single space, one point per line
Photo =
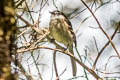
x=61 y=30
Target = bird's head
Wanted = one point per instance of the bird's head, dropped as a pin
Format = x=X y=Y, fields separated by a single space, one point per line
x=57 y=14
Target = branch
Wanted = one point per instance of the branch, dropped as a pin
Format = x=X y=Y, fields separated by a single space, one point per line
x=66 y=53
x=102 y=29
x=94 y=65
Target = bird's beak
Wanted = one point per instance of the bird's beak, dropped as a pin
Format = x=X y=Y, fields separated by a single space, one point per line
x=50 y=12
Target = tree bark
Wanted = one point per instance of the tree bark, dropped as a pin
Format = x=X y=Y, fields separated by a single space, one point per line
x=7 y=27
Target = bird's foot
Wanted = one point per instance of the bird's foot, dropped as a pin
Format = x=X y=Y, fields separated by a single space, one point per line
x=52 y=40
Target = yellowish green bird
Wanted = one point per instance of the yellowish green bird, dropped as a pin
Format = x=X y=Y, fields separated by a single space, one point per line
x=61 y=30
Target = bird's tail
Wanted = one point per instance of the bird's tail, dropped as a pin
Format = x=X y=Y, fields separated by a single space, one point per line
x=73 y=63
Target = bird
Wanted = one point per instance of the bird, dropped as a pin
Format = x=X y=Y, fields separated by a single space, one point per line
x=61 y=30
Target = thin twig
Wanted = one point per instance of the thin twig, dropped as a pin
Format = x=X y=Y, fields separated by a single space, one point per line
x=102 y=29
x=94 y=65
x=29 y=11
x=82 y=61
x=69 y=54
x=36 y=66
x=109 y=61
x=55 y=66
x=29 y=77
x=96 y=44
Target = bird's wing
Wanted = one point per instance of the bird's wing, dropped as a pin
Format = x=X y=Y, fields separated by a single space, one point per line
x=69 y=27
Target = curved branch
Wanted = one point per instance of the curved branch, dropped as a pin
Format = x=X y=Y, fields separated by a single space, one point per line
x=102 y=29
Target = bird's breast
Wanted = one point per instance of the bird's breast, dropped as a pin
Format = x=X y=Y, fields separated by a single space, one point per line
x=59 y=32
